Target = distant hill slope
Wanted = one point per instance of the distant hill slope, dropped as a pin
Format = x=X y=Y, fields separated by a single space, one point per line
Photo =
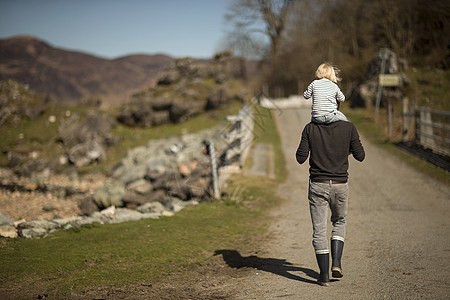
x=69 y=76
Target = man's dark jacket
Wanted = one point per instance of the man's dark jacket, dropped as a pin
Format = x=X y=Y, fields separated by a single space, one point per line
x=329 y=146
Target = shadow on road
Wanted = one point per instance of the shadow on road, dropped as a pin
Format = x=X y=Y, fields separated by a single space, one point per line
x=273 y=265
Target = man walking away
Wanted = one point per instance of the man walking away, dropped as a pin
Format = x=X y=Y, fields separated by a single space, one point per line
x=328 y=147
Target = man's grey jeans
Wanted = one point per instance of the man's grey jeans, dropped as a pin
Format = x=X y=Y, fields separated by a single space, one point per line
x=322 y=195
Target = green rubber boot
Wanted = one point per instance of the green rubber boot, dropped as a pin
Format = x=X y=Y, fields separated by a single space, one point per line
x=337 y=247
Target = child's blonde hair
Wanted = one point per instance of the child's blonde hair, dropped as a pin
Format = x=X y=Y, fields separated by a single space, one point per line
x=328 y=71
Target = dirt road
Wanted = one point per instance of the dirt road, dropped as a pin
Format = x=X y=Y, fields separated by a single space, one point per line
x=398 y=233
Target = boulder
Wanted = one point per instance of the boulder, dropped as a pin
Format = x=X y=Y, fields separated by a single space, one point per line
x=110 y=194
x=15 y=159
x=199 y=187
x=8 y=231
x=4 y=220
x=142 y=115
x=86 y=139
x=179 y=112
x=87 y=206
x=40 y=224
x=157 y=196
x=32 y=112
x=145 y=114
x=65 y=222
x=129 y=171
x=160 y=117
x=7 y=175
x=151 y=207
x=363 y=95
x=169 y=77
x=107 y=213
x=32 y=229
x=133 y=200
x=94 y=127
x=85 y=153
x=217 y=99
x=162 y=180
x=184 y=169
x=365 y=92
x=32 y=232
x=161 y=104
x=33 y=166
x=141 y=187
x=175 y=204
x=178 y=189
x=126 y=215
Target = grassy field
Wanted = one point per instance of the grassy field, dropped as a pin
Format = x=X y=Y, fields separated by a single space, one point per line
x=145 y=251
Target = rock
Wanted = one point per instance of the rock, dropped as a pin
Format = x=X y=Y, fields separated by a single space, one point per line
x=110 y=194
x=86 y=153
x=8 y=231
x=32 y=232
x=108 y=212
x=160 y=118
x=129 y=170
x=157 y=196
x=7 y=175
x=217 y=99
x=62 y=222
x=141 y=187
x=169 y=77
x=126 y=215
x=87 y=206
x=133 y=200
x=151 y=207
x=179 y=112
x=161 y=104
x=178 y=189
x=163 y=180
x=33 y=166
x=15 y=159
x=95 y=127
x=4 y=220
x=32 y=112
x=199 y=188
x=32 y=229
x=38 y=224
x=146 y=113
x=17 y=102
x=365 y=92
x=94 y=218
x=175 y=204
x=184 y=170
x=86 y=140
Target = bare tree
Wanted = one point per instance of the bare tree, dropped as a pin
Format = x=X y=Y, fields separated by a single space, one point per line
x=267 y=17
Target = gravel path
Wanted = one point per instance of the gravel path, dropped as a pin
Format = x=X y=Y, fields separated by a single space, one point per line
x=397 y=244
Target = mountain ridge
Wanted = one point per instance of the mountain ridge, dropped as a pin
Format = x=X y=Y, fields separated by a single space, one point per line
x=67 y=76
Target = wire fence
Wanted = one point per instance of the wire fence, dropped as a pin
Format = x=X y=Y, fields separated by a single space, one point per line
x=431 y=129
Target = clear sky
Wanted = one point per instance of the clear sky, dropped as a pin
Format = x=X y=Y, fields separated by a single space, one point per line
x=114 y=28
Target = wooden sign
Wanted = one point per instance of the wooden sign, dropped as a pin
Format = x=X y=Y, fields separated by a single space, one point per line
x=389 y=80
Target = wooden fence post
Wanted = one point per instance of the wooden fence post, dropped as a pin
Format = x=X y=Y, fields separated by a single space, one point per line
x=405 y=116
x=215 y=177
x=426 y=129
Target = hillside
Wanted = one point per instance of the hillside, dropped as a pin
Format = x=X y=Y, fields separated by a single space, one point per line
x=69 y=76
